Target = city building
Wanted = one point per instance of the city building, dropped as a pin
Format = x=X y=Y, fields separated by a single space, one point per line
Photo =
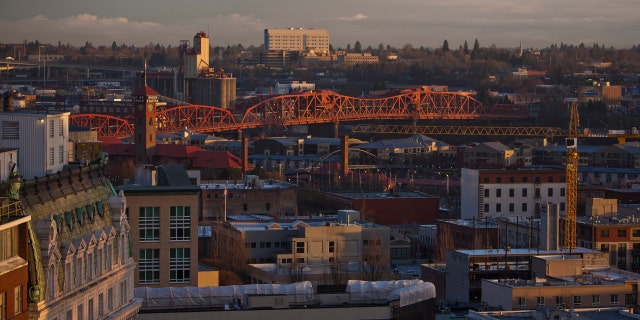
x=489 y=155
x=294 y=86
x=466 y=270
x=389 y=208
x=296 y=39
x=563 y=282
x=465 y=234
x=350 y=59
x=511 y=192
x=41 y=139
x=163 y=207
x=14 y=271
x=252 y=195
x=80 y=264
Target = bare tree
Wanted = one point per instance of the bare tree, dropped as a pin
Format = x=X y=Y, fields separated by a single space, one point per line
x=375 y=262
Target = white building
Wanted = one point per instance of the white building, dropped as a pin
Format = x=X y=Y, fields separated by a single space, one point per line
x=505 y=192
x=40 y=138
x=296 y=39
x=294 y=86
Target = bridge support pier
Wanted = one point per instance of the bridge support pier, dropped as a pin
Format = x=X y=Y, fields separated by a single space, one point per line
x=336 y=129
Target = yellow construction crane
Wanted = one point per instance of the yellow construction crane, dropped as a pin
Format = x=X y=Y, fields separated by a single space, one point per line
x=572 y=180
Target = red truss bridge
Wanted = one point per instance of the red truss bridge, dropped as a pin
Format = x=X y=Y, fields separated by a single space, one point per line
x=312 y=107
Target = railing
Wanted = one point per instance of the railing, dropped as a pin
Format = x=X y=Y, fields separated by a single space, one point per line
x=9 y=208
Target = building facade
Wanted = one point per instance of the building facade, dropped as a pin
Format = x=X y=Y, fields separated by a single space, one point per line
x=296 y=39
x=80 y=265
x=41 y=139
x=508 y=192
x=165 y=244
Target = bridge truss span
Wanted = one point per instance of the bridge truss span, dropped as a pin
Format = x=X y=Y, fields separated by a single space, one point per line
x=322 y=106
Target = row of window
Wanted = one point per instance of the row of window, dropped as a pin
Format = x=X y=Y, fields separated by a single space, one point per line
x=93 y=313
x=179 y=223
x=525 y=179
x=524 y=193
x=622 y=233
x=577 y=300
x=179 y=266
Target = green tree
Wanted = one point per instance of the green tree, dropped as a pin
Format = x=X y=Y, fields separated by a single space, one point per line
x=445 y=45
x=465 y=47
x=357 y=47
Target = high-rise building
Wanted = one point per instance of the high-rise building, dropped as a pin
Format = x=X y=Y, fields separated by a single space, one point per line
x=296 y=39
x=197 y=57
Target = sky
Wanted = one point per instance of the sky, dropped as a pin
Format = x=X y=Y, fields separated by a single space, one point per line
x=504 y=23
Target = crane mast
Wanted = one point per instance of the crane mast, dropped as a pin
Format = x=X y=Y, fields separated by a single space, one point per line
x=572 y=180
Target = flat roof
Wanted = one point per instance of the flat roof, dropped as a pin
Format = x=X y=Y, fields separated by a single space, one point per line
x=382 y=195
x=523 y=252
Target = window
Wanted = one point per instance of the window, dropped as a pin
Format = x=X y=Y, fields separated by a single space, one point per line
x=244 y=207
x=498 y=207
x=522 y=302
x=10 y=130
x=524 y=192
x=540 y=301
x=60 y=154
x=80 y=312
x=559 y=301
x=69 y=315
x=614 y=299
x=498 y=193
x=512 y=179
x=498 y=180
x=51 y=156
x=550 y=192
x=486 y=207
x=3 y=306
x=512 y=192
x=635 y=233
x=595 y=300
x=486 y=193
x=299 y=247
x=525 y=179
x=149 y=266
x=180 y=223
x=537 y=193
x=622 y=233
x=332 y=246
x=9 y=243
x=604 y=233
x=100 y=305
x=563 y=192
x=90 y=309
x=524 y=207
x=17 y=299
x=550 y=179
x=180 y=265
x=51 y=128
x=110 y=300
x=61 y=128
x=149 y=224
x=268 y=206
x=577 y=301
x=512 y=207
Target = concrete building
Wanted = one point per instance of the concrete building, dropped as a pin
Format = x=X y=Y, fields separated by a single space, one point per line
x=286 y=251
x=296 y=39
x=196 y=58
x=564 y=283
x=41 y=139
x=14 y=271
x=222 y=199
x=489 y=155
x=163 y=207
x=466 y=270
x=80 y=264
x=294 y=86
x=511 y=192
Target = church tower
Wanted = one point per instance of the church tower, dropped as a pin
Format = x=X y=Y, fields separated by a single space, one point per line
x=145 y=100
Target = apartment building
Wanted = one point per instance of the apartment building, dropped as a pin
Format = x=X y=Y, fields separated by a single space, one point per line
x=511 y=192
x=163 y=207
x=296 y=39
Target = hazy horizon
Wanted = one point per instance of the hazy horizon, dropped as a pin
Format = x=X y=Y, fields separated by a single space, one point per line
x=535 y=24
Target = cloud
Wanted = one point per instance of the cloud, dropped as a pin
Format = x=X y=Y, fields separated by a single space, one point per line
x=355 y=17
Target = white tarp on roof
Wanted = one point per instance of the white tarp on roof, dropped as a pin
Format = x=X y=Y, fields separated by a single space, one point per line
x=189 y=297
x=413 y=294
x=376 y=290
